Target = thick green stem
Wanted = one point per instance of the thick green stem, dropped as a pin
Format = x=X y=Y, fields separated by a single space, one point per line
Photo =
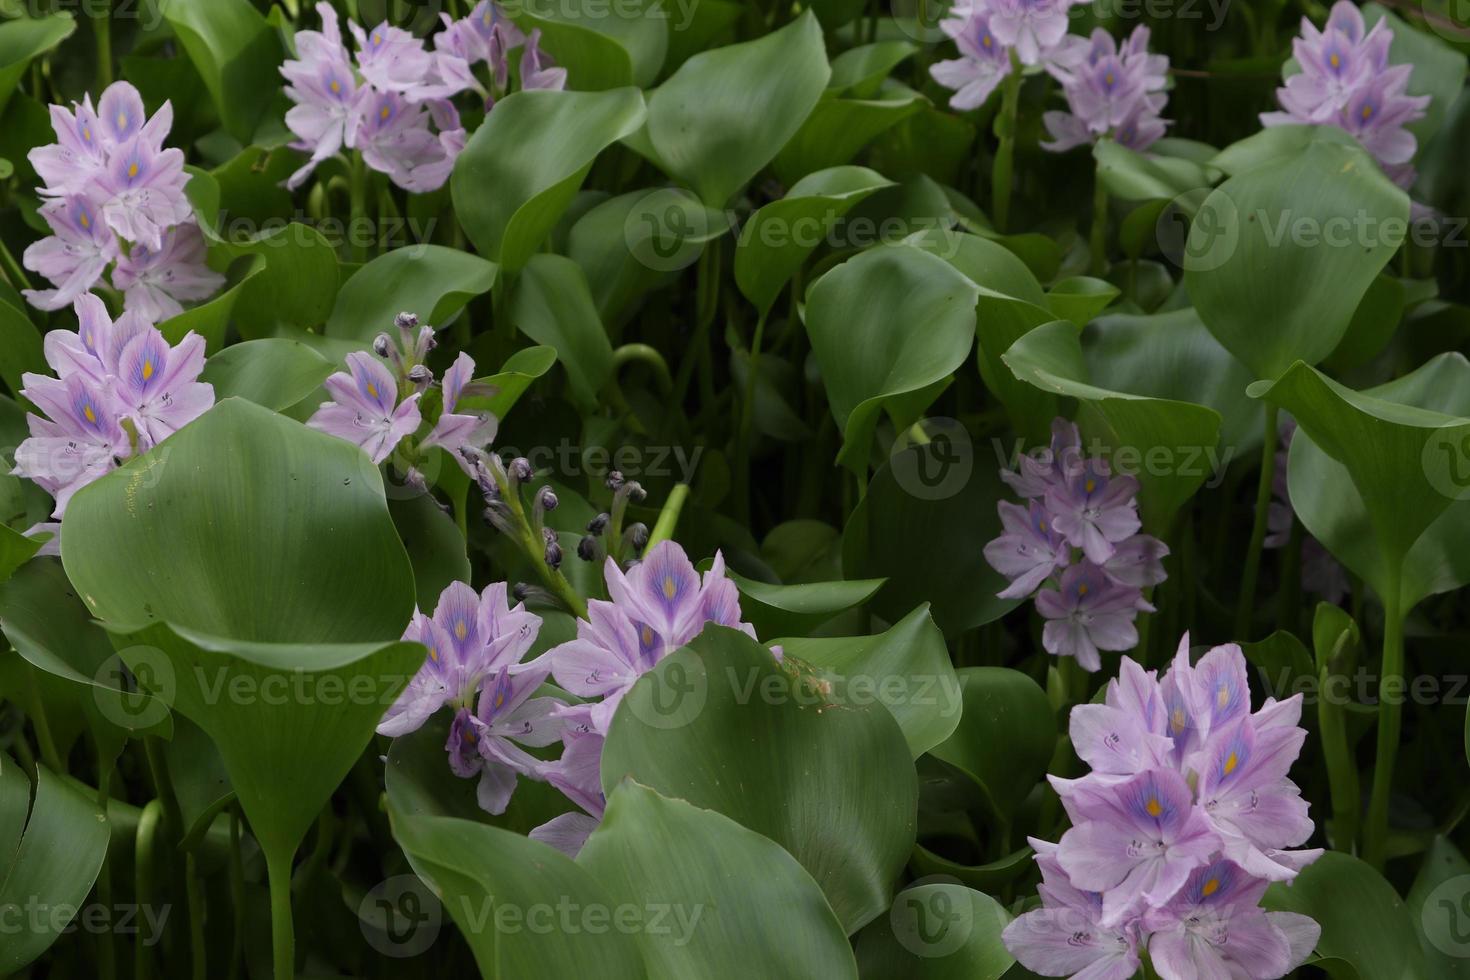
x=1390 y=720
x=668 y=518
x=743 y=431
x=173 y=817
x=283 y=932
x=357 y=225
x=144 y=879
x=1005 y=154
x=237 y=895
x=12 y=268
x=36 y=708
x=106 y=951
x=1099 y=241
x=198 y=950
x=1247 y=601
x=102 y=29
x=1342 y=770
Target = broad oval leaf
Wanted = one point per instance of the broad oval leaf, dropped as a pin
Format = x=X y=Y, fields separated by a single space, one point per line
x=237 y=54
x=430 y=281
x=552 y=305
x=271 y=372
x=937 y=931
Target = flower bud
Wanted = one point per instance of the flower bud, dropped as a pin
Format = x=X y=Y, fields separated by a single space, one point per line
x=599 y=523
x=382 y=345
x=520 y=469
x=546 y=499
x=587 y=548
x=405 y=321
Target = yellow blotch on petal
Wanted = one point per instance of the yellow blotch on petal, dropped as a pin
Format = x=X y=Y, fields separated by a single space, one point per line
x=1211 y=886
x=132 y=170
x=1231 y=761
x=1177 y=720
x=147 y=369
x=460 y=629
x=669 y=587
x=1090 y=486
x=1153 y=807
x=122 y=120
x=1223 y=697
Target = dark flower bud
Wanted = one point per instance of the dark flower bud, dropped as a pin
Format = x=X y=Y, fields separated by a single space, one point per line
x=382 y=345
x=520 y=590
x=634 y=491
x=520 y=469
x=614 y=480
x=406 y=321
x=599 y=523
x=638 y=536
x=553 y=548
x=587 y=548
x=546 y=499
x=420 y=375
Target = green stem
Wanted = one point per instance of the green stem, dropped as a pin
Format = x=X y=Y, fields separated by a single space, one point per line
x=1005 y=154
x=1099 y=239
x=106 y=952
x=37 y=710
x=629 y=353
x=1342 y=770
x=283 y=935
x=357 y=222
x=144 y=879
x=747 y=419
x=173 y=816
x=237 y=895
x=1258 y=529
x=668 y=518
x=102 y=29
x=198 y=951
x=1390 y=720
x=12 y=268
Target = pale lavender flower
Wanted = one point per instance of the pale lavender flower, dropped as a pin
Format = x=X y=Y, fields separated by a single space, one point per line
x=1095 y=511
x=323 y=86
x=1215 y=927
x=1088 y=612
x=454 y=431
x=69 y=166
x=983 y=63
x=155 y=281
x=1111 y=91
x=143 y=190
x=489 y=741
x=80 y=439
x=470 y=636
x=1029 y=550
x=157 y=385
x=394 y=138
x=1034 y=28
x=1066 y=937
x=365 y=408
x=75 y=257
x=538 y=71
x=391 y=59
x=578 y=774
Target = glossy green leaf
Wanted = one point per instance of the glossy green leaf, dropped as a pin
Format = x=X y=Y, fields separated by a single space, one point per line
x=1133 y=176
x=435 y=547
x=515 y=376
x=906 y=669
x=296 y=288
x=201 y=782
x=1148 y=438
x=602 y=46
x=522 y=168
x=838 y=128
x=721 y=725
x=775 y=610
x=1382 y=477
x=776 y=240
x=860 y=71
x=726 y=113
x=1372 y=326
x=24 y=39
x=1005 y=737
x=858 y=318
x=991 y=876
x=1436 y=907
x=212 y=320
x=937 y=931
x=1366 y=931
x=1294 y=243
x=1081 y=298
x=20 y=347
x=917 y=526
x=56 y=861
x=430 y=281
x=553 y=306
x=272 y=372
x=235 y=52
x=481 y=871
x=699 y=862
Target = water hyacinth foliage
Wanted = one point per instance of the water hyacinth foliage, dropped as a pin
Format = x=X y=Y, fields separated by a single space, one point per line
x=782 y=489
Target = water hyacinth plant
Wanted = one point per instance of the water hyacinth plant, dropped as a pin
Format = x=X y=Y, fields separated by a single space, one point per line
x=654 y=490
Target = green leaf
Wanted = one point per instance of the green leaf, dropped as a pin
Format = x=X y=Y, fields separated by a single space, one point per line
x=481 y=871
x=510 y=383
x=860 y=71
x=602 y=46
x=906 y=669
x=982 y=877
x=22 y=40
x=1135 y=430
x=726 y=113
x=858 y=318
x=199 y=778
x=778 y=609
x=297 y=286
x=917 y=526
x=838 y=128
x=1366 y=932
x=431 y=281
x=1081 y=298
x=719 y=724
x=552 y=305
x=1005 y=737
x=56 y=860
x=1372 y=326
x=1436 y=906
x=777 y=239
x=1133 y=176
x=236 y=53
x=250 y=565
x=1294 y=243
x=272 y=372
x=211 y=320
x=1381 y=476
x=435 y=547
x=522 y=168
x=20 y=347
x=700 y=863
x=1439 y=69
x=937 y=931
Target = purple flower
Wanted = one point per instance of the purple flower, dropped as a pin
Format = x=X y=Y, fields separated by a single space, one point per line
x=76 y=256
x=1089 y=612
x=365 y=408
x=983 y=63
x=506 y=717
x=454 y=432
x=1094 y=511
x=1111 y=91
x=391 y=59
x=143 y=186
x=393 y=135
x=323 y=86
x=120 y=390
x=1215 y=927
x=578 y=774
x=1065 y=937
x=469 y=637
x=538 y=71
x=70 y=165
x=1346 y=81
x=1029 y=549
x=1034 y=28
x=154 y=281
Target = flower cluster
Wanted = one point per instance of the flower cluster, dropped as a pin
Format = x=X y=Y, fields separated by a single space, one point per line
x=1079 y=533
x=475 y=646
x=120 y=390
x=658 y=605
x=1320 y=572
x=114 y=196
x=1112 y=91
x=395 y=108
x=1346 y=81
x=1176 y=833
x=377 y=409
